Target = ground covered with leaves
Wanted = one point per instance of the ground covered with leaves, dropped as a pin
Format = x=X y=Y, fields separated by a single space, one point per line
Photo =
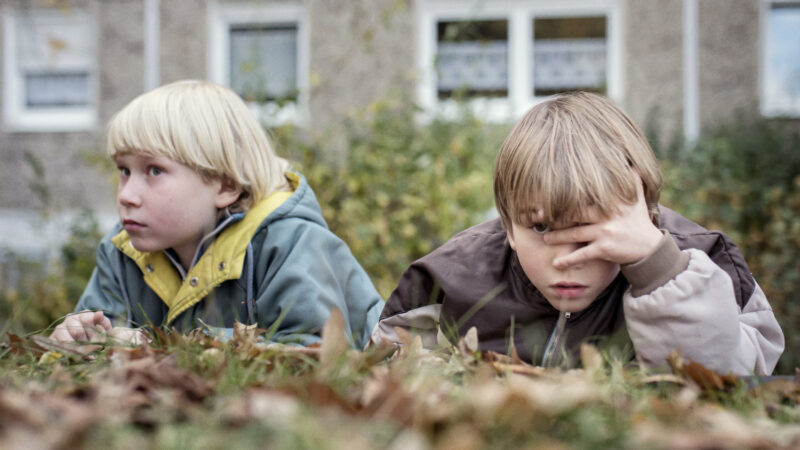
x=196 y=391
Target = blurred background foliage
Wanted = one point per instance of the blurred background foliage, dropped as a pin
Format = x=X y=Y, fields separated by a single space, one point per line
x=405 y=186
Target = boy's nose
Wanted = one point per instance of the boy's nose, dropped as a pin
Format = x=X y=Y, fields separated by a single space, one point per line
x=128 y=195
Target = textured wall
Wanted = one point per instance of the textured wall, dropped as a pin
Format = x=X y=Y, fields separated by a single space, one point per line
x=729 y=59
x=184 y=39
x=361 y=51
x=654 y=64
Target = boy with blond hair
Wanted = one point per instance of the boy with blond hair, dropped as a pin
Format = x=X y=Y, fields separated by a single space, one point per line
x=214 y=228
x=581 y=252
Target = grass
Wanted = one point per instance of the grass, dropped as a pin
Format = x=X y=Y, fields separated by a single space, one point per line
x=198 y=392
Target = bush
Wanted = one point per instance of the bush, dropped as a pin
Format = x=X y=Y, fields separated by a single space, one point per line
x=404 y=188
x=744 y=179
x=34 y=293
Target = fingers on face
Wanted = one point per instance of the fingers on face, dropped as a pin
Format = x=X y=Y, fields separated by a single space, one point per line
x=574 y=258
x=571 y=235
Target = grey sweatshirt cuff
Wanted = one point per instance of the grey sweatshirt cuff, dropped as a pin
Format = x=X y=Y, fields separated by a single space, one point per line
x=656 y=269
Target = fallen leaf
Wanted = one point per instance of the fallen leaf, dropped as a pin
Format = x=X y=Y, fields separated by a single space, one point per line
x=468 y=344
x=702 y=376
x=334 y=340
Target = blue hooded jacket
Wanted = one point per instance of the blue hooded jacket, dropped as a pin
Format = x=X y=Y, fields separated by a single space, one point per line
x=278 y=266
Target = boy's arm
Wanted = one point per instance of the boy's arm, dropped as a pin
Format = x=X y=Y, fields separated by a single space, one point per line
x=104 y=291
x=303 y=276
x=681 y=300
x=412 y=308
x=101 y=306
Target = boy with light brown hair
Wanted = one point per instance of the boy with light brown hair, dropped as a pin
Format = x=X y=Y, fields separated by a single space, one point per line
x=581 y=252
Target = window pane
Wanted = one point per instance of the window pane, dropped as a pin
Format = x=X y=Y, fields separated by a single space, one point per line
x=264 y=62
x=472 y=58
x=782 y=68
x=569 y=54
x=54 y=41
x=57 y=90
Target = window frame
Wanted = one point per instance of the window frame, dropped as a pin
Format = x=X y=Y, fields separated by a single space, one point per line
x=520 y=15
x=17 y=117
x=223 y=16
x=767 y=108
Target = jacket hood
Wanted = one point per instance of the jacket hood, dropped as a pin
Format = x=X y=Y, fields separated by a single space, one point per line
x=302 y=204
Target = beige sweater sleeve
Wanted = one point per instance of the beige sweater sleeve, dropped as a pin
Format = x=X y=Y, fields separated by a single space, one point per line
x=681 y=300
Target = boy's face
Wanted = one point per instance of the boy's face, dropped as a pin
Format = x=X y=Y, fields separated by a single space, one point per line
x=569 y=290
x=164 y=204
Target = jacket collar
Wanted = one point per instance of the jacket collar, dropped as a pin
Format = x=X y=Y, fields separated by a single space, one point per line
x=222 y=260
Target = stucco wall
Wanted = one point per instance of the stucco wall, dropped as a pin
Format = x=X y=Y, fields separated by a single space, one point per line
x=654 y=64
x=729 y=57
x=361 y=51
x=184 y=39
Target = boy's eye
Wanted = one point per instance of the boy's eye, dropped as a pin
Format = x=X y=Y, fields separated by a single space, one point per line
x=124 y=171
x=540 y=228
x=154 y=171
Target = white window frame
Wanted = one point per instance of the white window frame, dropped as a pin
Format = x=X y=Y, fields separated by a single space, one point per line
x=17 y=117
x=222 y=16
x=520 y=15
x=770 y=109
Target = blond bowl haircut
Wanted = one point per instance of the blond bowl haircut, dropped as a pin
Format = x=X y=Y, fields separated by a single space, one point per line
x=204 y=126
x=569 y=153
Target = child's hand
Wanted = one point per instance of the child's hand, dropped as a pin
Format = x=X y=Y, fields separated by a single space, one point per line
x=84 y=326
x=625 y=237
x=128 y=335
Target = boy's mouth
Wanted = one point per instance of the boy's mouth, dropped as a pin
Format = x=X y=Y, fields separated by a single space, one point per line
x=569 y=290
x=132 y=225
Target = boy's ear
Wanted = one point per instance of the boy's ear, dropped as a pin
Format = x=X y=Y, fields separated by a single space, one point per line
x=228 y=193
x=510 y=237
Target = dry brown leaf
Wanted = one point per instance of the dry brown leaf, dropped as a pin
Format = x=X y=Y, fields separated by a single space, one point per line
x=514 y=355
x=17 y=345
x=403 y=336
x=521 y=369
x=779 y=391
x=702 y=376
x=592 y=361
x=74 y=349
x=43 y=420
x=334 y=341
x=468 y=344
x=385 y=397
x=245 y=333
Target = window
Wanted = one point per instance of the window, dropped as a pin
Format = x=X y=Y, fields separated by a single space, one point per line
x=569 y=54
x=780 y=81
x=49 y=73
x=472 y=58
x=260 y=51
x=503 y=57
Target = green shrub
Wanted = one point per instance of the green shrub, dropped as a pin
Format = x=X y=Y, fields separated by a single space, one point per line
x=34 y=293
x=404 y=188
x=744 y=179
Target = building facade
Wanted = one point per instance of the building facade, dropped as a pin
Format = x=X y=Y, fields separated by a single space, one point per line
x=68 y=65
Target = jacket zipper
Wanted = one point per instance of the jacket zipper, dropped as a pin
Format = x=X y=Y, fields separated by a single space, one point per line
x=552 y=353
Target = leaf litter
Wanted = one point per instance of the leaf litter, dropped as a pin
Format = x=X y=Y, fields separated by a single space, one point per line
x=245 y=392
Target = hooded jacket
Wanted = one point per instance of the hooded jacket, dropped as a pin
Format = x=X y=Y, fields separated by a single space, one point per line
x=278 y=266
x=694 y=294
